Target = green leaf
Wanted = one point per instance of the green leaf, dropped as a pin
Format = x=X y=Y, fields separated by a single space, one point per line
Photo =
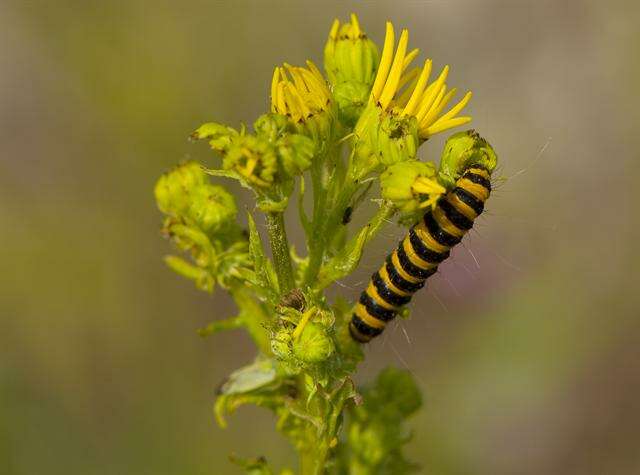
x=220 y=325
x=249 y=378
x=345 y=262
x=228 y=174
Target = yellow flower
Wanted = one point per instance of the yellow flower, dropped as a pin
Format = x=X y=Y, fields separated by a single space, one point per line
x=302 y=95
x=411 y=185
x=407 y=92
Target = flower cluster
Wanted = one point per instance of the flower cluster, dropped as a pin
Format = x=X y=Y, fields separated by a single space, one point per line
x=201 y=221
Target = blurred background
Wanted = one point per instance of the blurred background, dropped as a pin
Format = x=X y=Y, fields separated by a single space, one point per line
x=526 y=344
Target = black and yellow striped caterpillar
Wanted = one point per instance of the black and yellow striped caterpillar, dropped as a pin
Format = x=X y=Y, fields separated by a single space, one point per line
x=420 y=252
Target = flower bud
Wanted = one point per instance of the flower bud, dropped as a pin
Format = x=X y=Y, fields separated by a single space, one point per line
x=383 y=138
x=172 y=190
x=220 y=136
x=314 y=344
x=303 y=96
x=212 y=208
x=295 y=152
x=460 y=152
x=252 y=158
x=351 y=61
x=271 y=126
x=411 y=185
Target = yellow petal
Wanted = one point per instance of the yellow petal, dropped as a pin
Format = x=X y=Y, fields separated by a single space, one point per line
x=274 y=89
x=431 y=93
x=447 y=124
x=417 y=91
x=391 y=85
x=438 y=104
x=458 y=107
x=355 y=25
x=385 y=62
x=409 y=58
x=333 y=33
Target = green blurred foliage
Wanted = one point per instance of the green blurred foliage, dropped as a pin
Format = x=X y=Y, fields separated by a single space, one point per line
x=101 y=369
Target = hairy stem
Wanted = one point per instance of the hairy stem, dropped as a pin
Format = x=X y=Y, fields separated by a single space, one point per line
x=280 y=251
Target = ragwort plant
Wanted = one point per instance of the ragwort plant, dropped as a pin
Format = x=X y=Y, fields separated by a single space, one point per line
x=331 y=138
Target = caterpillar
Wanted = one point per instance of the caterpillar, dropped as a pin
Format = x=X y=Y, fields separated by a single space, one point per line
x=418 y=255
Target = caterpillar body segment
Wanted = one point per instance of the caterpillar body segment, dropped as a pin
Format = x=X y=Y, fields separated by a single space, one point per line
x=419 y=254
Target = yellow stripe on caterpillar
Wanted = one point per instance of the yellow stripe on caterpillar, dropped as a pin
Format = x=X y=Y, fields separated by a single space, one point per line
x=477 y=190
x=462 y=207
x=480 y=171
x=398 y=267
x=370 y=320
x=428 y=240
x=413 y=256
x=373 y=293
x=387 y=281
x=445 y=224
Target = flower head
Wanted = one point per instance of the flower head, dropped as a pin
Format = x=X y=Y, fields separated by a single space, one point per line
x=253 y=159
x=303 y=96
x=411 y=185
x=173 y=189
x=407 y=92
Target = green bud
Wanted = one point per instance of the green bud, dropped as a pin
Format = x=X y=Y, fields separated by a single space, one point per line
x=254 y=159
x=220 y=136
x=271 y=126
x=172 y=190
x=351 y=61
x=397 y=183
x=212 y=208
x=397 y=139
x=460 y=152
x=351 y=98
x=384 y=139
x=296 y=152
x=313 y=345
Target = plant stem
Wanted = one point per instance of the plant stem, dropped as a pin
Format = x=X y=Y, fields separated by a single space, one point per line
x=280 y=251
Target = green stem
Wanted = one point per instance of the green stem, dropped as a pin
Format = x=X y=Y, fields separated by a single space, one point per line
x=328 y=227
x=280 y=251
